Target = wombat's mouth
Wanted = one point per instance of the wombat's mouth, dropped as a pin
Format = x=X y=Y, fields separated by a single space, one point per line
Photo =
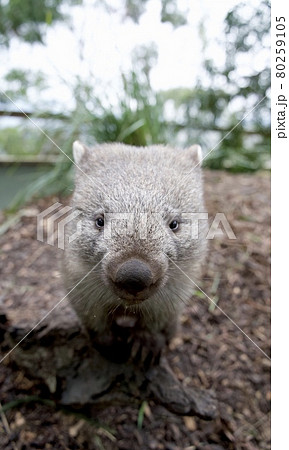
x=127 y=303
x=133 y=298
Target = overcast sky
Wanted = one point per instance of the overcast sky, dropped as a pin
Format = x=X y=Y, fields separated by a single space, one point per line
x=97 y=46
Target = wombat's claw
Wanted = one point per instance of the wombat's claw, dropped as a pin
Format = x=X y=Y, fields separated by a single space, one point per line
x=157 y=358
x=144 y=353
x=136 y=353
x=149 y=360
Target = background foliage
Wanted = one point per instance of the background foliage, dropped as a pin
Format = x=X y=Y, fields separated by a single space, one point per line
x=207 y=113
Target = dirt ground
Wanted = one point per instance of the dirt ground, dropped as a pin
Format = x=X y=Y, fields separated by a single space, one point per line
x=222 y=349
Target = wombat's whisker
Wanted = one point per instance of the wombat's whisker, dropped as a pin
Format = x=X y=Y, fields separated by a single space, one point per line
x=112 y=309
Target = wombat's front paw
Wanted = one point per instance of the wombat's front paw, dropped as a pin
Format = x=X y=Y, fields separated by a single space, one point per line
x=146 y=349
x=112 y=347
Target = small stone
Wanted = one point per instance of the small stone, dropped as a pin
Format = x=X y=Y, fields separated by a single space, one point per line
x=190 y=423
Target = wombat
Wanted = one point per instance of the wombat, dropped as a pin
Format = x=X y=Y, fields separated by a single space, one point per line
x=129 y=268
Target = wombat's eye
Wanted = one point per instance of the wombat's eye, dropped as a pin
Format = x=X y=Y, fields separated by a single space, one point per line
x=99 y=222
x=174 y=225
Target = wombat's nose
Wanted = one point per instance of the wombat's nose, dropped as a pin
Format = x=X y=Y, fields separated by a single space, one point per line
x=133 y=276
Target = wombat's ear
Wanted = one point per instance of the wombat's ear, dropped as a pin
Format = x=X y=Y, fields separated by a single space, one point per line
x=78 y=150
x=196 y=154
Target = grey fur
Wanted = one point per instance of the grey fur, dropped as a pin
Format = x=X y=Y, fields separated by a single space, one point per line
x=126 y=179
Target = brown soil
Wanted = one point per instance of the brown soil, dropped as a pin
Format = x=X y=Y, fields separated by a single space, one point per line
x=220 y=349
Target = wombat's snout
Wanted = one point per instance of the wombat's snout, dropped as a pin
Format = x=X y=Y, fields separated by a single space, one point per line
x=133 y=276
